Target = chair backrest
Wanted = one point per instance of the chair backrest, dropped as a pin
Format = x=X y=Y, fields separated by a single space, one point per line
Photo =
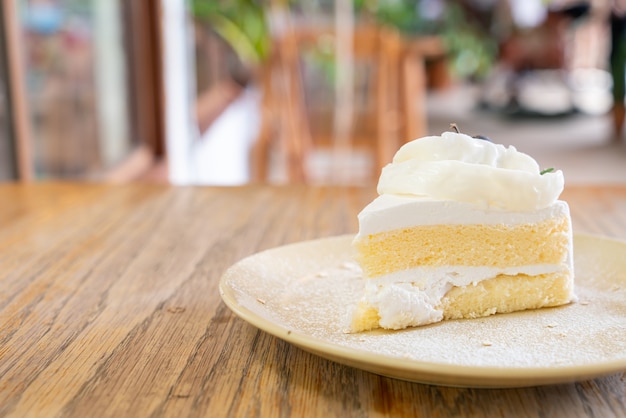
x=366 y=108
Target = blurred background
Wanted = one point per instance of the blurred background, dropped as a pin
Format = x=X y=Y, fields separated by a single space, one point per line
x=229 y=92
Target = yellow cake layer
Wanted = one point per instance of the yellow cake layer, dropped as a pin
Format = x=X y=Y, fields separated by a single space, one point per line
x=502 y=294
x=464 y=245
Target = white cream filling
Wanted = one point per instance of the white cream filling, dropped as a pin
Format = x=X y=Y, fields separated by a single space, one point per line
x=410 y=297
x=391 y=212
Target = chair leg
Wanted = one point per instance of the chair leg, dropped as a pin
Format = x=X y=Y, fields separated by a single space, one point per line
x=414 y=91
x=388 y=99
x=260 y=152
x=618 y=114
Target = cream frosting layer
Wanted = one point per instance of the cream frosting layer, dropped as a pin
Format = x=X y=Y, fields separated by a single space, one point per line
x=391 y=212
x=457 y=167
x=432 y=278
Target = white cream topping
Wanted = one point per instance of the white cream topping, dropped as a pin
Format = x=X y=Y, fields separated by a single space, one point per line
x=458 y=167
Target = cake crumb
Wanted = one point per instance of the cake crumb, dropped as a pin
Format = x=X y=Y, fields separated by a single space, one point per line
x=487 y=343
x=551 y=325
x=584 y=302
x=262 y=301
x=350 y=265
x=562 y=334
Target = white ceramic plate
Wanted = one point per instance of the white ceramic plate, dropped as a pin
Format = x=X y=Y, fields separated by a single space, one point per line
x=302 y=292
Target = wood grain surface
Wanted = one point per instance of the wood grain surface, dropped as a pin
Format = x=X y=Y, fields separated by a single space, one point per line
x=109 y=306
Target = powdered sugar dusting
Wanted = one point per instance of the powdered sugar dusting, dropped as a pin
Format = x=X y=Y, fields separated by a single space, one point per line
x=310 y=288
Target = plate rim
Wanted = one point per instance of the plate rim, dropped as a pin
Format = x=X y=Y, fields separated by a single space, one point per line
x=441 y=373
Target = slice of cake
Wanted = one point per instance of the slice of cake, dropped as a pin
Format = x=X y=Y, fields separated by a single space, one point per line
x=463 y=228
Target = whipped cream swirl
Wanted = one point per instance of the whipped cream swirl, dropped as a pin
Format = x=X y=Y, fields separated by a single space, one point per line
x=457 y=167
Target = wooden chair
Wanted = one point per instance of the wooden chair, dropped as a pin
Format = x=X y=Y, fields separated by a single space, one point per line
x=386 y=111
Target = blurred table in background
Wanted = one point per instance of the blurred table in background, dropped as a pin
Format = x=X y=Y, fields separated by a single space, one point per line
x=109 y=306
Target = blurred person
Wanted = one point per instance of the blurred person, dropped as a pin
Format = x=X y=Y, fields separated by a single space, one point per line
x=532 y=56
x=617 y=62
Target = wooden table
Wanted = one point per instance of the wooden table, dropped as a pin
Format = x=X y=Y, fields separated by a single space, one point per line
x=109 y=306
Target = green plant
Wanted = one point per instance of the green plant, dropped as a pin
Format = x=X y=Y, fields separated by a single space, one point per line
x=404 y=15
x=241 y=23
x=472 y=50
